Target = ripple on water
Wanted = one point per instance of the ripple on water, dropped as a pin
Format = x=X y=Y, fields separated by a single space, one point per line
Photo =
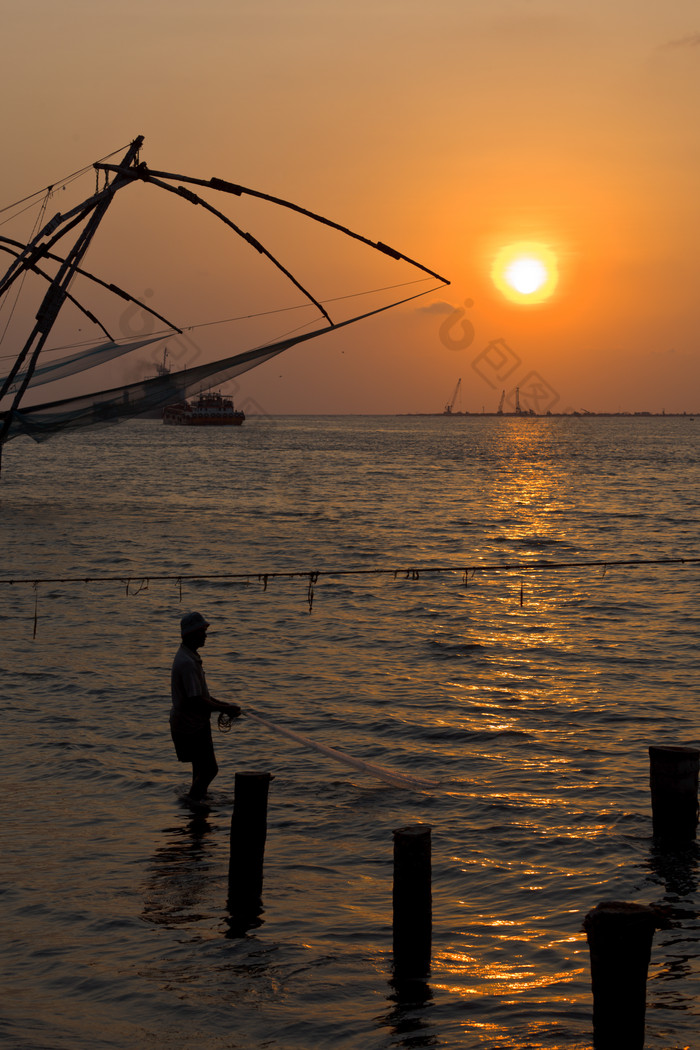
x=533 y=719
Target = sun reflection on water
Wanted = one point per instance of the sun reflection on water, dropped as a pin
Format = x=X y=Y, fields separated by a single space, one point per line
x=497 y=978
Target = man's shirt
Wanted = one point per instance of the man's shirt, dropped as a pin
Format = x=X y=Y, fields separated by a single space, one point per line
x=187 y=682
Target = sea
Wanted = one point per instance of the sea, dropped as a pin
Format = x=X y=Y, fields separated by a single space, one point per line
x=353 y=573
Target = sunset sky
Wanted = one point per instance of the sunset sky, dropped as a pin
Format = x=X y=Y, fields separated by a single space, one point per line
x=451 y=131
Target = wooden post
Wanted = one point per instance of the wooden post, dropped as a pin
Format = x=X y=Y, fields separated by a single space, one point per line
x=673 y=776
x=412 y=900
x=619 y=940
x=248 y=833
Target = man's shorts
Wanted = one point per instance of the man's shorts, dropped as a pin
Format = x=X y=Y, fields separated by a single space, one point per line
x=194 y=745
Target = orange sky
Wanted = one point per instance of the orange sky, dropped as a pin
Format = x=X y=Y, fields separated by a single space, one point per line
x=447 y=130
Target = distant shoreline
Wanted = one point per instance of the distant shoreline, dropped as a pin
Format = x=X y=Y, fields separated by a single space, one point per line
x=562 y=415
x=460 y=415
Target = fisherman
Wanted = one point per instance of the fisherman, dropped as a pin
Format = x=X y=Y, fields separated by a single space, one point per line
x=190 y=715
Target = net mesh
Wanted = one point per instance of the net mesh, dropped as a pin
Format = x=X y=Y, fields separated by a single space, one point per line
x=81 y=361
x=107 y=407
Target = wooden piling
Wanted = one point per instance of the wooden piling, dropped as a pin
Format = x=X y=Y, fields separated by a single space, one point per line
x=412 y=901
x=248 y=834
x=673 y=777
x=619 y=940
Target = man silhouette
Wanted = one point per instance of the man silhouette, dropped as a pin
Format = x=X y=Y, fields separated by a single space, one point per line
x=192 y=706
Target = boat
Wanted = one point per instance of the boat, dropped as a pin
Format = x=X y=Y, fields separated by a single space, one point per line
x=209 y=410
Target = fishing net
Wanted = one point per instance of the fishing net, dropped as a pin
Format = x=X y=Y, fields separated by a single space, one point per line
x=19 y=412
x=134 y=399
x=110 y=406
x=81 y=361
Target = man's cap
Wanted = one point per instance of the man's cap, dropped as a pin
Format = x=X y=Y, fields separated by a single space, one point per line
x=193 y=621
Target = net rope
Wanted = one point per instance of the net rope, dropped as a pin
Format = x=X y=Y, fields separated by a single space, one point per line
x=415 y=572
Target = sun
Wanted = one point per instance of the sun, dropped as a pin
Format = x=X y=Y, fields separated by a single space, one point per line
x=525 y=272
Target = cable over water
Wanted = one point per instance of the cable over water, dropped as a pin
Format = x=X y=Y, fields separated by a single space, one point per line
x=410 y=572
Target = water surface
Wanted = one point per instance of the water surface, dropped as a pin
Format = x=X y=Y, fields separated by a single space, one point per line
x=530 y=699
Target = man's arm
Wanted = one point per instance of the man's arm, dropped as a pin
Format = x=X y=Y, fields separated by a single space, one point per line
x=233 y=710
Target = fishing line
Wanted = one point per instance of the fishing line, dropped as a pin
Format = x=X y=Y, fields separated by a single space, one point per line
x=400 y=780
x=16 y=215
x=307 y=306
x=18 y=291
x=61 y=182
x=167 y=333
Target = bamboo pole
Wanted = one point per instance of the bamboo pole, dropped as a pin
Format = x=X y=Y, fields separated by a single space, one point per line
x=619 y=939
x=412 y=901
x=248 y=834
x=673 y=778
